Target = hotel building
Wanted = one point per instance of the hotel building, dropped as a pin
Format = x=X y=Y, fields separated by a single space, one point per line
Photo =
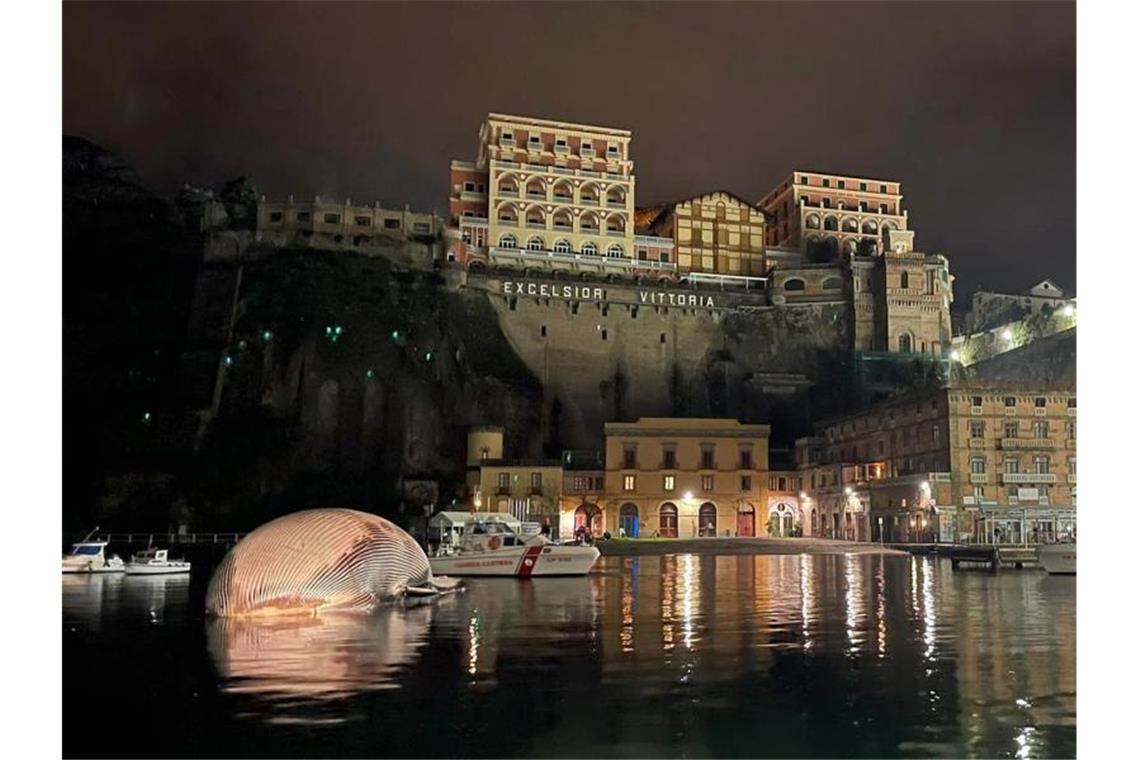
x=549 y=194
x=716 y=233
x=974 y=461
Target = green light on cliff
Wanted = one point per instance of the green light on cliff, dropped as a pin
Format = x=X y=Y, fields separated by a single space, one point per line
x=427 y=356
x=227 y=360
x=333 y=332
x=266 y=336
x=395 y=335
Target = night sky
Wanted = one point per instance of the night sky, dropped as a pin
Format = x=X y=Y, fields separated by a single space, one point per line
x=972 y=106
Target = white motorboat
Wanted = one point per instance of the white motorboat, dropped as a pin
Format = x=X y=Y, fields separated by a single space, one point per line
x=1058 y=559
x=156 y=562
x=493 y=548
x=90 y=557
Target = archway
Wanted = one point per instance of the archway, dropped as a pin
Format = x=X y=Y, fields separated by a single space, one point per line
x=629 y=522
x=668 y=519
x=588 y=516
x=706 y=519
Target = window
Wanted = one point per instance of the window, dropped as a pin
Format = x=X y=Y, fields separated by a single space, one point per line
x=536 y=480
x=977 y=465
x=882 y=188
x=1011 y=430
x=977 y=429
x=842 y=184
x=1072 y=466
x=669 y=458
x=979 y=494
x=1010 y=401
x=363 y=221
x=745 y=482
x=1040 y=429
x=275 y=216
x=904 y=280
x=827 y=183
x=863 y=186
x=629 y=456
x=562 y=246
x=504 y=480
x=392 y=224
x=803 y=180
x=542 y=331
x=934 y=434
x=1039 y=402
x=795 y=284
x=707 y=483
x=707 y=458
x=1072 y=403
x=1041 y=465
x=669 y=483
x=535 y=244
x=1011 y=465
x=1071 y=431
x=906 y=345
x=508 y=241
x=615 y=251
x=746 y=459
x=882 y=208
x=976 y=401
x=332 y=218
x=629 y=483
x=589 y=249
x=484 y=453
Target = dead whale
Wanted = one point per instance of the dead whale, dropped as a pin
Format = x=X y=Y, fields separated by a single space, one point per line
x=320 y=560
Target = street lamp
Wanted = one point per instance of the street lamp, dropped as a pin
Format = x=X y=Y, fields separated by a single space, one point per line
x=478 y=500
x=1007 y=334
x=955 y=356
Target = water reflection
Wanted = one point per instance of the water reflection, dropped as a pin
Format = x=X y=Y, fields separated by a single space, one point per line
x=797 y=655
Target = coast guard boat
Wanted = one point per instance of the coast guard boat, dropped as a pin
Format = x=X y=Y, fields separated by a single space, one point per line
x=89 y=557
x=491 y=547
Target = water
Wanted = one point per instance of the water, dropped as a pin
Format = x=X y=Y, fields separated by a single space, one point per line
x=678 y=656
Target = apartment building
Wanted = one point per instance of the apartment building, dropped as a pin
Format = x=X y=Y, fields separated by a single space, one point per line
x=974 y=461
x=715 y=233
x=685 y=477
x=531 y=490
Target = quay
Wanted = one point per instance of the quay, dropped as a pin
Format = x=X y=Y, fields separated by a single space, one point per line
x=993 y=556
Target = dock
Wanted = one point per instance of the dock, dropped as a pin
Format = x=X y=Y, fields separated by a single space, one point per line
x=992 y=556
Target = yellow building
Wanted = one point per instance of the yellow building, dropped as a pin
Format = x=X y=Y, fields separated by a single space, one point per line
x=715 y=233
x=529 y=490
x=685 y=477
x=978 y=460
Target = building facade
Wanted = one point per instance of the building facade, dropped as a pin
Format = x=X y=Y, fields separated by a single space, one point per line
x=989 y=308
x=716 y=233
x=529 y=490
x=974 y=461
x=683 y=478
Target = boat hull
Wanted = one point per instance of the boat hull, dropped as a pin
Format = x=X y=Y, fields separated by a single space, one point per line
x=1058 y=559
x=158 y=570
x=523 y=562
x=92 y=570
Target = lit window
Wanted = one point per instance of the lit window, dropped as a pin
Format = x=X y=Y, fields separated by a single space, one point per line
x=629 y=483
x=670 y=482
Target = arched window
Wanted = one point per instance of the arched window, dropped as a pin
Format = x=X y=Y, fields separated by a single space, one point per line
x=508 y=241
x=615 y=224
x=589 y=194
x=906 y=345
x=629 y=522
x=850 y=225
x=831 y=223
x=563 y=220
x=870 y=228
x=904 y=280
x=615 y=197
x=795 y=284
x=562 y=246
x=535 y=244
x=706 y=519
x=589 y=249
x=536 y=188
x=832 y=283
x=812 y=222
x=615 y=251
x=535 y=217
x=667 y=516
x=589 y=222
x=563 y=191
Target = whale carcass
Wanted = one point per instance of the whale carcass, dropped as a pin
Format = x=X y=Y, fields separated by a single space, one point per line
x=318 y=560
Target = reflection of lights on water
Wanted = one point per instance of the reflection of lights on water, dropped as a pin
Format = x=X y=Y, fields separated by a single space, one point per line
x=929 y=619
x=473 y=643
x=690 y=573
x=626 y=636
x=1025 y=742
x=668 y=581
x=853 y=577
x=807 y=597
x=881 y=607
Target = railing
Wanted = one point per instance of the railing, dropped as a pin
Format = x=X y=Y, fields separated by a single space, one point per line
x=977 y=443
x=1071 y=444
x=1028 y=477
x=173 y=538
x=1028 y=443
x=978 y=477
x=1072 y=411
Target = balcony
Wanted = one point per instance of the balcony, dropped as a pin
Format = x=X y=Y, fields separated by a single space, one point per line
x=615 y=233
x=1028 y=477
x=1023 y=444
x=563 y=149
x=979 y=477
x=1071 y=478
x=977 y=443
x=533 y=225
x=472 y=195
x=976 y=411
x=1038 y=411
x=587 y=152
x=524 y=256
x=589 y=202
x=508 y=193
x=1010 y=411
x=1071 y=444
x=531 y=195
x=1072 y=411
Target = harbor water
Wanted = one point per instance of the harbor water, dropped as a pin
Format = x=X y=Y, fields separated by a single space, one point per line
x=676 y=656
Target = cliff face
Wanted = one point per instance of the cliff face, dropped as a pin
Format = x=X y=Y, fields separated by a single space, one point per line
x=1052 y=359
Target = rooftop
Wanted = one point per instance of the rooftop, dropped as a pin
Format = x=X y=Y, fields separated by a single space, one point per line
x=525 y=120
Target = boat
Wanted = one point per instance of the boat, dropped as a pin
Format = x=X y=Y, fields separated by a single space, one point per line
x=89 y=556
x=489 y=547
x=1058 y=559
x=156 y=562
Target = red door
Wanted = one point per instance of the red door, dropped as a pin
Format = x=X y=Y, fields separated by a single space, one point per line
x=746 y=524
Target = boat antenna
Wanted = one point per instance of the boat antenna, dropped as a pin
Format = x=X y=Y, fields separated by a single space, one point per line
x=89 y=535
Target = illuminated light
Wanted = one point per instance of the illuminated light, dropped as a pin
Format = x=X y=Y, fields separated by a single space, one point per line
x=370 y=373
x=266 y=336
x=926 y=486
x=395 y=335
x=1006 y=334
x=241 y=345
x=146 y=416
x=848 y=490
x=227 y=360
x=955 y=356
x=427 y=356
x=688 y=495
x=803 y=495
